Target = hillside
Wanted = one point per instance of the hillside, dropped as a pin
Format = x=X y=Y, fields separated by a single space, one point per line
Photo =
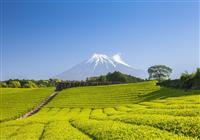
x=103 y=96
x=128 y=111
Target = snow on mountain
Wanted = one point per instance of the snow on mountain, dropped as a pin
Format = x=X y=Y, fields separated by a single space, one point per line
x=101 y=58
x=100 y=64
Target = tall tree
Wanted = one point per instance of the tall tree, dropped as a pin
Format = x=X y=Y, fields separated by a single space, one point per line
x=159 y=72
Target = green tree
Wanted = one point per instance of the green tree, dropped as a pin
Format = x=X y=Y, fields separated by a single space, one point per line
x=53 y=82
x=159 y=72
x=116 y=77
x=102 y=79
x=42 y=83
x=3 y=84
x=196 y=79
x=185 y=76
x=30 y=84
x=14 y=84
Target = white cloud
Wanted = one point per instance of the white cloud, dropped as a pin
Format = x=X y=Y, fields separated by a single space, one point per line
x=117 y=58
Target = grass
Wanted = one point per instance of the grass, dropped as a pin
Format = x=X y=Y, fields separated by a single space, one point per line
x=140 y=111
x=17 y=101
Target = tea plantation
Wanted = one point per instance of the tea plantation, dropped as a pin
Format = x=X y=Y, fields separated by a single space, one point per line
x=17 y=101
x=140 y=111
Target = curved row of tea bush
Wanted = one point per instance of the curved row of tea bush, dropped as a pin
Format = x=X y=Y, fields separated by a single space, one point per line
x=106 y=130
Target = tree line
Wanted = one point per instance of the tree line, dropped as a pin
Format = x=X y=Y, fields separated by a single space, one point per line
x=161 y=73
x=69 y=84
x=114 y=77
x=186 y=81
x=111 y=78
x=17 y=83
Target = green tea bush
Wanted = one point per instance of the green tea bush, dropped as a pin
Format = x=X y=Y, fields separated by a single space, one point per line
x=61 y=130
x=16 y=102
x=189 y=126
x=141 y=111
x=106 y=130
x=111 y=111
x=98 y=113
x=29 y=131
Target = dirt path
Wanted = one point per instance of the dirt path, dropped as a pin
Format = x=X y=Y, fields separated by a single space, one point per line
x=37 y=108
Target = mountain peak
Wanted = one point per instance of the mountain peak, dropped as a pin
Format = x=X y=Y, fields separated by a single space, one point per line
x=104 y=59
x=100 y=58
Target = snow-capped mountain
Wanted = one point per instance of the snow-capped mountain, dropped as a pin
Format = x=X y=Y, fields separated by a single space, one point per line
x=100 y=64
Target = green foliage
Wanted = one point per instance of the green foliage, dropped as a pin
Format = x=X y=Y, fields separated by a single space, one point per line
x=107 y=130
x=63 y=130
x=53 y=82
x=3 y=84
x=189 y=126
x=42 y=83
x=186 y=81
x=21 y=132
x=14 y=84
x=159 y=72
x=115 y=77
x=196 y=80
x=140 y=111
x=103 y=96
x=15 y=102
x=30 y=84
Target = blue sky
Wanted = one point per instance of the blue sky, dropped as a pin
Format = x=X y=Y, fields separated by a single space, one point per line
x=44 y=38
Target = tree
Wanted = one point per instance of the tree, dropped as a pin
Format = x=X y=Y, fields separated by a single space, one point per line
x=42 y=83
x=159 y=72
x=191 y=80
x=185 y=76
x=197 y=77
x=3 y=84
x=116 y=77
x=53 y=82
x=14 y=84
x=102 y=78
x=30 y=84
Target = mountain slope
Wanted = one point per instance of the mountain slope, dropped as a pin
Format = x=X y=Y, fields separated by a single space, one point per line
x=99 y=64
